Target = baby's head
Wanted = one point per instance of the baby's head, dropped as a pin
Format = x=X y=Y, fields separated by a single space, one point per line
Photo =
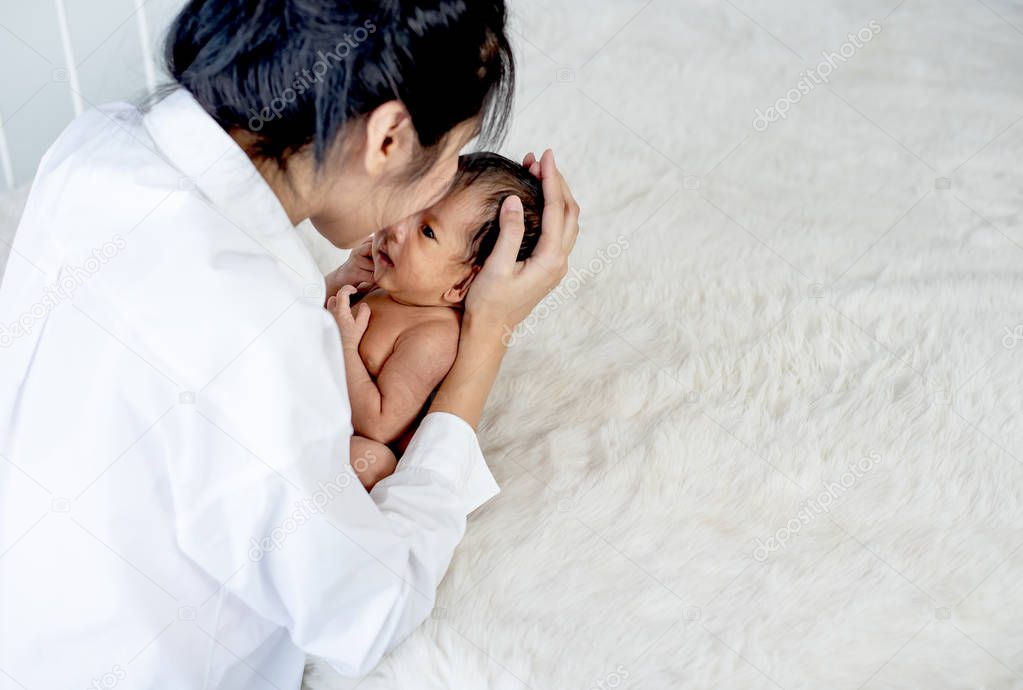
x=430 y=258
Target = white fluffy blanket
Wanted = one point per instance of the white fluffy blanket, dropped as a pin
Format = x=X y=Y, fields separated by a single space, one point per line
x=768 y=433
x=754 y=312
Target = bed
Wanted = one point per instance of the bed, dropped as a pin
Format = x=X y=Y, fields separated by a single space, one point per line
x=768 y=431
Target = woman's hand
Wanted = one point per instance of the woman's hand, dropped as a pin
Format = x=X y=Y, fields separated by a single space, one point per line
x=352 y=325
x=358 y=270
x=505 y=291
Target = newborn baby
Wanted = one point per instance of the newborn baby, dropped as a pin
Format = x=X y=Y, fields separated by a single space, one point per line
x=401 y=339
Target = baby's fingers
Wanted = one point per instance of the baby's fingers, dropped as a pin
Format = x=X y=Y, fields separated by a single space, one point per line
x=340 y=305
x=362 y=314
x=345 y=293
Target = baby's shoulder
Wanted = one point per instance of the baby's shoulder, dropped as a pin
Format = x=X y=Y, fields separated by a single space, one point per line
x=437 y=322
x=435 y=329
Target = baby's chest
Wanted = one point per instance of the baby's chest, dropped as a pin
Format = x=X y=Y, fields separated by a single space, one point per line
x=376 y=346
x=378 y=342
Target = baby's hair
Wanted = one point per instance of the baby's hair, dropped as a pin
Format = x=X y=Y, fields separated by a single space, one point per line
x=499 y=177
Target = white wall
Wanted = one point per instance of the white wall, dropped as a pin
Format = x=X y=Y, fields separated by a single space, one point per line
x=58 y=56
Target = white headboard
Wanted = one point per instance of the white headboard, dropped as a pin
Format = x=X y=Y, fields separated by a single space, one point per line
x=60 y=57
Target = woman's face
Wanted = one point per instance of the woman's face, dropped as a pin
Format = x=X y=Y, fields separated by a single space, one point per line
x=359 y=204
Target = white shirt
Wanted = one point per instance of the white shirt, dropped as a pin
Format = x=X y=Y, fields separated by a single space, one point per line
x=177 y=508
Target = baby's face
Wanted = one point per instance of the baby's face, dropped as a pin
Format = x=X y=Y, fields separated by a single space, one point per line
x=422 y=260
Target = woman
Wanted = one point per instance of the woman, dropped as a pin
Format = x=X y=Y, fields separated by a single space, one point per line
x=178 y=507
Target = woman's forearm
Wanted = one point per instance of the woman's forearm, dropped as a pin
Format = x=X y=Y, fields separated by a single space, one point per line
x=465 y=389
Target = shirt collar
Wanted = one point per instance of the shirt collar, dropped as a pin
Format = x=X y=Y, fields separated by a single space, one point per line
x=216 y=165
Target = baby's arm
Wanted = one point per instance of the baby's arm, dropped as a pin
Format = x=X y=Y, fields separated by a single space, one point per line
x=422 y=356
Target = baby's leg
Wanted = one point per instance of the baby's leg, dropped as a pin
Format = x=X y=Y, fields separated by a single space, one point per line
x=372 y=461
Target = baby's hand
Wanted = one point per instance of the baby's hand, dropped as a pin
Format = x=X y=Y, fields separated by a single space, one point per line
x=358 y=270
x=352 y=326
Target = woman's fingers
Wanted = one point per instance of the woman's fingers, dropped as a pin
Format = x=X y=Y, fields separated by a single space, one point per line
x=552 y=223
x=571 y=217
x=513 y=227
x=532 y=164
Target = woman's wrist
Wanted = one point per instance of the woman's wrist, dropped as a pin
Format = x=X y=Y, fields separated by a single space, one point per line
x=484 y=331
x=332 y=282
x=464 y=391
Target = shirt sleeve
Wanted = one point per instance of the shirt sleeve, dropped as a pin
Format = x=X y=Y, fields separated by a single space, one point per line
x=268 y=504
x=440 y=438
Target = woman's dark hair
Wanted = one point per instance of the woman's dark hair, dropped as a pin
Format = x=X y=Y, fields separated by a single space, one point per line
x=295 y=72
x=499 y=178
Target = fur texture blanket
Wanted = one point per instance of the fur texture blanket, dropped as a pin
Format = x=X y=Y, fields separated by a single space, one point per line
x=768 y=432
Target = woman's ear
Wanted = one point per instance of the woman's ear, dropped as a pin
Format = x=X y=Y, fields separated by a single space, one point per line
x=390 y=139
x=457 y=292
